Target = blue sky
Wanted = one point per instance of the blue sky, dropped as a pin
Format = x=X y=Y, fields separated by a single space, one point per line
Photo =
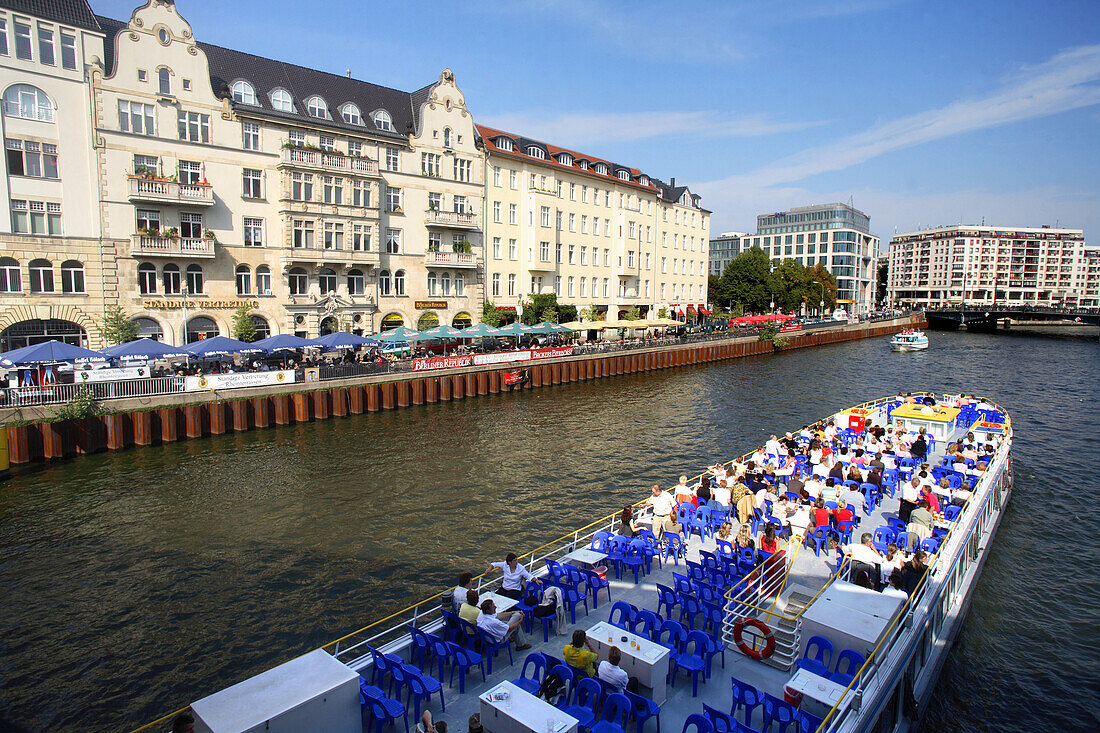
x=923 y=113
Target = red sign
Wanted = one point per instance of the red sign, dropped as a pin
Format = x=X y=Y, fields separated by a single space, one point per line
x=441 y=362
x=513 y=377
x=552 y=352
x=792 y=327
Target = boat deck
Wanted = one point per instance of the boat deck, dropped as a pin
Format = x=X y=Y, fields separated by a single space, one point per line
x=806 y=570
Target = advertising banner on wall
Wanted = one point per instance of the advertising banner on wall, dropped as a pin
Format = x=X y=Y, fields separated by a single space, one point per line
x=552 y=352
x=442 y=362
x=237 y=381
x=502 y=357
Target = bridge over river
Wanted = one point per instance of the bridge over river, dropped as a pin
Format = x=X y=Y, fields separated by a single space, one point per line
x=992 y=318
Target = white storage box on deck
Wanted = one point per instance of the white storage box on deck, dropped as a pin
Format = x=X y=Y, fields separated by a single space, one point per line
x=850 y=616
x=311 y=693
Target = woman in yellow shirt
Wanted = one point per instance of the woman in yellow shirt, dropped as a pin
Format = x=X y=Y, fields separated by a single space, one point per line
x=580 y=654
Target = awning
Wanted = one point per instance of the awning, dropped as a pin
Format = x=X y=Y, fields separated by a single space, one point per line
x=50 y=352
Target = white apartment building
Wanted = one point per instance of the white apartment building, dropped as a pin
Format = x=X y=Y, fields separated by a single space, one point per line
x=179 y=180
x=837 y=235
x=595 y=233
x=985 y=265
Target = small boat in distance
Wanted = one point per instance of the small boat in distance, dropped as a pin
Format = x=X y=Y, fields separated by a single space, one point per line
x=909 y=340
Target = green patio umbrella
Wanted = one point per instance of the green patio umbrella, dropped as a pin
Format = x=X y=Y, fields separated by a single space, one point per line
x=546 y=327
x=480 y=331
x=443 y=332
x=514 y=330
x=402 y=334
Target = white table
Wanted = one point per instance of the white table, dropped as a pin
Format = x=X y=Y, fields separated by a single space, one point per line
x=522 y=712
x=649 y=662
x=819 y=695
x=584 y=556
x=503 y=603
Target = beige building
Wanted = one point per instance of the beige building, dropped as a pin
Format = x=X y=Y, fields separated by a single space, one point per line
x=986 y=265
x=185 y=179
x=596 y=234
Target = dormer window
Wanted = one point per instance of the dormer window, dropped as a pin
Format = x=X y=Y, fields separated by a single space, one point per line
x=282 y=101
x=565 y=159
x=382 y=120
x=623 y=175
x=351 y=115
x=584 y=165
x=536 y=152
x=317 y=108
x=644 y=181
x=243 y=92
x=601 y=169
x=505 y=144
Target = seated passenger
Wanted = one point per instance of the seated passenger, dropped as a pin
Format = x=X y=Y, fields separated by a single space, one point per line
x=515 y=576
x=465 y=580
x=579 y=654
x=469 y=610
x=503 y=626
x=611 y=673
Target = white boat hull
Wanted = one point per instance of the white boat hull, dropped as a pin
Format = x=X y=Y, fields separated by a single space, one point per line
x=908 y=347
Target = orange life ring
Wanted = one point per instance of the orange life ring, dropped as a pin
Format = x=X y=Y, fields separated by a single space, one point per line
x=765 y=631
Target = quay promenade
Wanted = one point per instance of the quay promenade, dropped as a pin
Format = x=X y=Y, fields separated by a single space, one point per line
x=154 y=420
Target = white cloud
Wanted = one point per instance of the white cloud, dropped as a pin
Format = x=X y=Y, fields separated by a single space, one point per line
x=1065 y=82
x=580 y=129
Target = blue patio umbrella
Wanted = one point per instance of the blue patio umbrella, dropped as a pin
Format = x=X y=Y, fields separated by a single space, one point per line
x=49 y=352
x=480 y=331
x=282 y=342
x=220 y=346
x=143 y=349
x=343 y=340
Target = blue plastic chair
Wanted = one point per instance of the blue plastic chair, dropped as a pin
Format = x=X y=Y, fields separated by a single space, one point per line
x=440 y=651
x=533 y=681
x=720 y=721
x=634 y=558
x=691 y=659
x=952 y=512
x=380 y=708
x=622 y=615
x=600 y=540
x=616 y=711
x=690 y=608
x=844 y=529
x=819 y=538
x=463 y=660
x=490 y=647
x=422 y=687
x=746 y=698
x=808 y=723
x=644 y=709
x=724 y=549
x=567 y=676
x=674 y=546
x=383 y=666
x=421 y=647
x=666 y=599
x=849 y=662
x=882 y=537
x=699 y=723
x=586 y=701
x=618 y=547
x=672 y=634
x=682 y=585
x=571 y=597
x=777 y=711
x=594 y=583
x=818 y=655
x=452 y=629
x=528 y=610
x=895 y=524
x=646 y=623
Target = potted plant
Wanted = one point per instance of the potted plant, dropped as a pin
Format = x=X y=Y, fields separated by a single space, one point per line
x=143 y=230
x=207 y=234
x=172 y=232
x=464 y=246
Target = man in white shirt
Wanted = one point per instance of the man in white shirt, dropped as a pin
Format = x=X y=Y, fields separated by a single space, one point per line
x=830 y=431
x=721 y=493
x=609 y=671
x=503 y=626
x=772 y=446
x=910 y=495
x=464 y=582
x=662 y=505
x=812 y=486
x=865 y=557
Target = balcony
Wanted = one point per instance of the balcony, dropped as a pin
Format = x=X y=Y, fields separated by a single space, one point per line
x=323 y=160
x=152 y=245
x=310 y=255
x=466 y=260
x=452 y=219
x=163 y=191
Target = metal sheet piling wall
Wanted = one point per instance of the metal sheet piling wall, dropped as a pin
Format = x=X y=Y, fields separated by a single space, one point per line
x=37 y=440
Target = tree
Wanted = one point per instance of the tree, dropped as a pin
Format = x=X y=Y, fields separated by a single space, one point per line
x=823 y=286
x=540 y=307
x=490 y=316
x=117 y=327
x=566 y=312
x=243 y=329
x=748 y=280
x=792 y=285
x=718 y=291
x=634 y=314
x=591 y=313
x=663 y=312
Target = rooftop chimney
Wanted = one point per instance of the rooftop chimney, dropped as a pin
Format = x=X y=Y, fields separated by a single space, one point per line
x=672 y=183
x=348 y=72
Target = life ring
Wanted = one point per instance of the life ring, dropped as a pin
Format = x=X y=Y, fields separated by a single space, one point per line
x=765 y=631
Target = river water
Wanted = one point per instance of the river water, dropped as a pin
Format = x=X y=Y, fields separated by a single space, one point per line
x=135 y=582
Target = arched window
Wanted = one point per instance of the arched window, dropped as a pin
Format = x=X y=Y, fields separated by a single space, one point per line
x=147 y=279
x=433 y=283
x=244 y=280
x=72 y=276
x=282 y=101
x=447 y=137
x=351 y=115
x=299 y=283
x=382 y=120
x=243 y=92
x=536 y=152
x=147 y=328
x=623 y=175
x=164 y=80
x=327 y=280
x=30 y=103
x=41 y=276
x=445 y=284
x=317 y=108
x=263 y=280
x=601 y=168
x=260 y=327
x=201 y=327
x=10 y=279
x=399 y=282
x=384 y=283
x=393 y=320
x=195 y=280
x=356 y=282
x=462 y=320
x=171 y=279
x=460 y=285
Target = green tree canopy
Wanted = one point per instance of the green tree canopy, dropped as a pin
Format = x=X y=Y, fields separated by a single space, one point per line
x=117 y=326
x=747 y=280
x=490 y=316
x=243 y=328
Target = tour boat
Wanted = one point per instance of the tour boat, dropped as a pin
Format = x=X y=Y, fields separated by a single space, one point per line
x=909 y=340
x=791 y=636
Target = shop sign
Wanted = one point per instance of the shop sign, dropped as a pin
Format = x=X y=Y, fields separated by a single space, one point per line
x=237 y=381
x=442 y=362
x=429 y=304
x=552 y=352
x=198 y=304
x=502 y=357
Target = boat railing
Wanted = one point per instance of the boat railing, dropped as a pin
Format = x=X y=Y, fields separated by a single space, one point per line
x=919 y=609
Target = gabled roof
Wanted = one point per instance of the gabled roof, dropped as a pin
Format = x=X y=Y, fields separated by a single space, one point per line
x=76 y=13
x=266 y=75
